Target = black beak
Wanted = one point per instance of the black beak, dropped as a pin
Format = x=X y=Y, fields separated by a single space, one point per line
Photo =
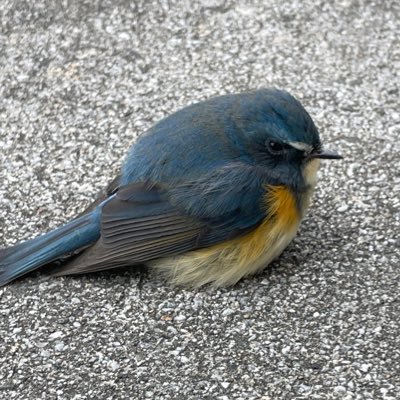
x=326 y=154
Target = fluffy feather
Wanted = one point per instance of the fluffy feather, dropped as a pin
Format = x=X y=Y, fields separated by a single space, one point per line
x=226 y=263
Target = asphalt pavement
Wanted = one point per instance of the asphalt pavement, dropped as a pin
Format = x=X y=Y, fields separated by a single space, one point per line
x=81 y=79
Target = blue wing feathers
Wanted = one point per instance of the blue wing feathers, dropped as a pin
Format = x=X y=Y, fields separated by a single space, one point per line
x=27 y=256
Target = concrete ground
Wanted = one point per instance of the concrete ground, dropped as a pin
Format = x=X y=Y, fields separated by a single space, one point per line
x=80 y=79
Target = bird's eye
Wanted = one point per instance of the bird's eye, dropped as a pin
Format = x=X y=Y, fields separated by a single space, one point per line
x=276 y=147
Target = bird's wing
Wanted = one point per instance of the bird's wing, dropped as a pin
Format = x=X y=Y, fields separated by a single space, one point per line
x=141 y=222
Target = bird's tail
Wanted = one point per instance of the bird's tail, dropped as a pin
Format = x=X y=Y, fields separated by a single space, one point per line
x=27 y=256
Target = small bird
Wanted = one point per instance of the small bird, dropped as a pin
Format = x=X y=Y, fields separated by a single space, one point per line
x=210 y=194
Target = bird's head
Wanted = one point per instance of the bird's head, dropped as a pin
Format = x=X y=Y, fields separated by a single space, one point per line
x=280 y=135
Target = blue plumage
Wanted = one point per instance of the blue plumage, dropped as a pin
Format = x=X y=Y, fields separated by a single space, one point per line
x=209 y=134
x=34 y=253
x=196 y=179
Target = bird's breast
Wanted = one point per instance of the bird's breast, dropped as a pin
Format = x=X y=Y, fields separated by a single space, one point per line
x=226 y=263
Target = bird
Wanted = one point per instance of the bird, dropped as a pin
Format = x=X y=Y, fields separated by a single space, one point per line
x=208 y=195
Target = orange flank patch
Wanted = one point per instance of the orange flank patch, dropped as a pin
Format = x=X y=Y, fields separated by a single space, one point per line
x=282 y=206
x=226 y=263
x=265 y=241
x=282 y=216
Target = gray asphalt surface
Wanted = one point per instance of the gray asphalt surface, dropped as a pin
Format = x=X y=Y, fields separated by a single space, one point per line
x=79 y=80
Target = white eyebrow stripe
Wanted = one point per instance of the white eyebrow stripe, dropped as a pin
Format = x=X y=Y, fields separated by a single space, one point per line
x=301 y=146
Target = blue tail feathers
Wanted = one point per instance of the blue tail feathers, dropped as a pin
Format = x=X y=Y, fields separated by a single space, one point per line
x=32 y=254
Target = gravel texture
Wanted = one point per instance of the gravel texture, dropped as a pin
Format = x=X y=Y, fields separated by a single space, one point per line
x=80 y=79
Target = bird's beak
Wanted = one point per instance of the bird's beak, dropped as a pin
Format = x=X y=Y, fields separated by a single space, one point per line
x=326 y=154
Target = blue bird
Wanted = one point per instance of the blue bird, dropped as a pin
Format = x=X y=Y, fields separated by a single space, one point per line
x=210 y=194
